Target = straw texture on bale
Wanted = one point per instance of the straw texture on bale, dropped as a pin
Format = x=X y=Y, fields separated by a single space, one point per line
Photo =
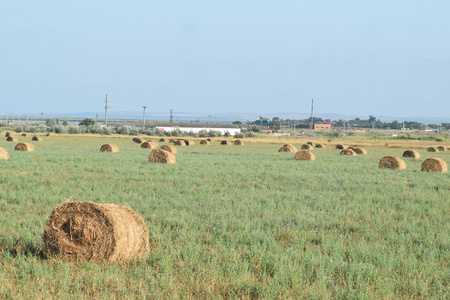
x=288 y=148
x=306 y=146
x=179 y=143
x=411 y=154
x=305 y=155
x=36 y=138
x=359 y=150
x=320 y=146
x=189 y=143
x=109 y=148
x=162 y=140
x=161 y=157
x=348 y=152
x=169 y=148
x=24 y=134
x=24 y=147
x=225 y=142
x=239 y=143
x=138 y=140
x=392 y=162
x=341 y=147
x=441 y=148
x=432 y=149
x=11 y=138
x=149 y=145
x=89 y=231
x=434 y=165
x=205 y=142
x=4 y=153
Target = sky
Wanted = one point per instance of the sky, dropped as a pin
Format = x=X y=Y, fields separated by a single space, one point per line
x=353 y=57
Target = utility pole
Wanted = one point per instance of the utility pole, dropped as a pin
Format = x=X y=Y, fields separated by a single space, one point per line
x=171 y=115
x=209 y=122
x=106 y=111
x=311 y=126
x=42 y=118
x=143 y=126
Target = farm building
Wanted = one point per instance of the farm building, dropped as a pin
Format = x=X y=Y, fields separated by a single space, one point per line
x=323 y=126
x=197 y=127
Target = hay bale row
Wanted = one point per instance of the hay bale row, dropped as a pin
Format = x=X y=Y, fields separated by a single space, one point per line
x=4 y=153
x=162 y=157
x=305 y=155
x=24 y=147
x=289 y=148
x=109 y=148
x=86 y=231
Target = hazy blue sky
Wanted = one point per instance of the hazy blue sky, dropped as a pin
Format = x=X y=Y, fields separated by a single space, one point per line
x=353 y=57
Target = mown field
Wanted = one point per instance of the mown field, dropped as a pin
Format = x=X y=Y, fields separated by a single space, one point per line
x=232 y=222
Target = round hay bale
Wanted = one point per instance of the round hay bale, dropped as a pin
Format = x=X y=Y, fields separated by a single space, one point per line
x=149 y=145
x=11 y=138
x=341 y=147
x=411 y=154
x=138 y=140
x=172 y=141
x=4 y=153
x=239 y=143
x=209 y=140
x=162 y=140
x=310 y=143
x=162 y=157
x=359 y=150
x=320 y=146
x=434 y=165
x=189 y=142
x=109 y=148
x=169 y=148
x=7 y=134
x=288 y=148
x=392 y=162
x=205 y=142
x=36 y=138
x=225 y=142
x=24 y=147
x=306 y=146
x=441 y=148
x=89 y=231
x=179 y=143
x=432 y=149
x=350 y=147
x=305 y=155
x=23 y=134
x=348 y=152
x=48 y=134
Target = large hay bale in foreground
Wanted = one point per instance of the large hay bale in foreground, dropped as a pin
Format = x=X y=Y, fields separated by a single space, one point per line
x=392 y=162
x=305 y=155
x=441 y=148
x=138 y=140
x=288 y=148
x=411 y=154
x=36 y=138
x=161 y=157
x=359 y=150
x=24 y=147
x=306 y=146
x=11 y=138
x=109 y=148
x=341 y=147
x=4 y=153
x=89 y=231
x=348 y=152
x=205 y=142
x=169 y=148
x=225 y=142
x=239 y=143
x=149 y=145
x=189 y=142
x=434 y=165
x=162 y=140
x=432 y=149
x=320 y=146
x=179 y=143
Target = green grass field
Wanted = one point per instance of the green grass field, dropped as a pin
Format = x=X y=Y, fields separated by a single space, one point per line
x=231 y=222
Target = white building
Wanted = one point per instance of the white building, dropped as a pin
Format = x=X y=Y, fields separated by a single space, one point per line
x=197 y=127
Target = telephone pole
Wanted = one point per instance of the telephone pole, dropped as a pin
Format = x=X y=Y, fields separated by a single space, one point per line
x=209 y=122
x=171 y=116
x=144 y=107
x=311 y=126
x=106 y=111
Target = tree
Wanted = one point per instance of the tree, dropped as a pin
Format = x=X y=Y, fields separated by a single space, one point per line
x=237 y=122
x=87 y=122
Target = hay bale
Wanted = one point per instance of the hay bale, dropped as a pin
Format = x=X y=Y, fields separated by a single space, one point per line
x=162 y=140
x=162 y=157
x=359 y=150
x=4 y=153
x=441 y=148
x=239 y=143
x=172 y=141
x=205 y=142
x=209 y=140
x=305 y=155
x=87 y=231
x=189 y=142
x=11 y=138
x=434 y=165
x=348 y=152
x=341 y=147
x=48 y=134
x=310 y=143
x=225 y=142
x=23 y=134
x=320 y=146
x=7 y=134
x=138 y=140
x=288 y=148
x=169 y=148
x=109 y=148
x=432 y=149
x=306 y=146
x=36 y=138
x=149 y=145
x=179 y=143
x=392 y=162
x=411 y=154
x=24 y=147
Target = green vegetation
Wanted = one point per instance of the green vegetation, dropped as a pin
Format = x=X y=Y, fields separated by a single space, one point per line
x=229 y=221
